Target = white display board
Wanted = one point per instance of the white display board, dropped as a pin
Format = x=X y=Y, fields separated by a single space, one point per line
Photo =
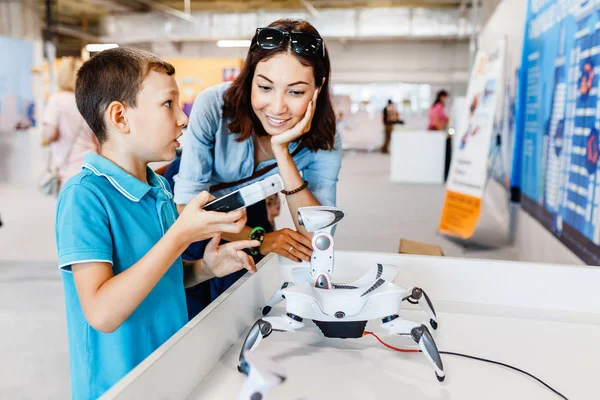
x=541 y=318
x=417 y=156
x=469 y=167
x=468 y=171
x=508 y=22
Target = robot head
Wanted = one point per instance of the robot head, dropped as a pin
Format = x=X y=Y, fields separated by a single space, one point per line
x=320 y=218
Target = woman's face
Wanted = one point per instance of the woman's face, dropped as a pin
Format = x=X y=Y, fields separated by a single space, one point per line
x=443 y=99
x=281 y=89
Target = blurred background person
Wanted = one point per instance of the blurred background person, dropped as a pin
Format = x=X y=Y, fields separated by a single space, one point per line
x=63 y=127
x=391 y=116
x=273 y=209
x=438 y=121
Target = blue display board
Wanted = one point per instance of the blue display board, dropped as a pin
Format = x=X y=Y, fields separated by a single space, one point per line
x=559 y=122
x=16 y=97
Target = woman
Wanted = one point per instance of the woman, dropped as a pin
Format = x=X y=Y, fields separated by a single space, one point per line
x=438 y=121
x=277 y=114
x=64 y=129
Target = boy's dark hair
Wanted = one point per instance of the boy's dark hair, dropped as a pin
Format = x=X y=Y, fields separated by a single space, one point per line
x=113 y=75
x=237 y=108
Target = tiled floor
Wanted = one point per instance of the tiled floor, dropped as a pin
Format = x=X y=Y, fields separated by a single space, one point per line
x=33 y=346
x=34 y=362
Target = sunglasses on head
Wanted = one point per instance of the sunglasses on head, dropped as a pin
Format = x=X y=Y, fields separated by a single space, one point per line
x=302 y=43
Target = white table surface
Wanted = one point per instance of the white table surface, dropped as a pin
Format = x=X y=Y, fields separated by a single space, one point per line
x=544 y=319
x=561 y=354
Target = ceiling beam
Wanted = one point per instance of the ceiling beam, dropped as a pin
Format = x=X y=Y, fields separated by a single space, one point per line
x=166 y=9
x=112 y=5
x=254 y=5
x=75 y=33
x=78 y=8
x=310 y=8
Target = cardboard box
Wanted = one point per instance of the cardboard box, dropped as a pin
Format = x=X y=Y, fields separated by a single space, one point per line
x=412 y=247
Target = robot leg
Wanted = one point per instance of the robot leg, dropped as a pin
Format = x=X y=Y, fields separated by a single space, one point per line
x=276 y=298
x=262 y=374
x=421 y=335
x=418 y=296
x=264 y=327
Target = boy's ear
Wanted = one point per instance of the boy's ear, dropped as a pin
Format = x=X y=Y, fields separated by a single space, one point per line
x=116 y=113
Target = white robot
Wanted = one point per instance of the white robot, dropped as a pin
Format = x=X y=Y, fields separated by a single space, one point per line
x=342 y=310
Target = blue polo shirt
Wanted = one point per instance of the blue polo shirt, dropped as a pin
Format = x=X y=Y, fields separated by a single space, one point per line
x=105 y=214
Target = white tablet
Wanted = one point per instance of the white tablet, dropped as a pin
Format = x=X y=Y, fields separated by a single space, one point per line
x=247 y=195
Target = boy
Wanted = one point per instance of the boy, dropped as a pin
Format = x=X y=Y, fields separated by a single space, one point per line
x=119 y=242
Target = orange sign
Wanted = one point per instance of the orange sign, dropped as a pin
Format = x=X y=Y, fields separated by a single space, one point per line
x=460 y=214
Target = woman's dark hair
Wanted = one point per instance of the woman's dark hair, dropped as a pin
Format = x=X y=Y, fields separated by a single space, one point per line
x=438 y=97
x=237 y=107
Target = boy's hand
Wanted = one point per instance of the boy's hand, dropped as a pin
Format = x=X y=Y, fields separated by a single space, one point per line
x=228 y=258
x=195 y=224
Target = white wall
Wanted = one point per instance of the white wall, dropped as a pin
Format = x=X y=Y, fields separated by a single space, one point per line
x=508 y=22
x=436 y=62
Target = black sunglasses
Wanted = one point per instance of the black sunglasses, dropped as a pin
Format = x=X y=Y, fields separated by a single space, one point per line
x=302 y=43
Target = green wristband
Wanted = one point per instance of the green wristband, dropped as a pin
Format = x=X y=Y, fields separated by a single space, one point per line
x=257 y=233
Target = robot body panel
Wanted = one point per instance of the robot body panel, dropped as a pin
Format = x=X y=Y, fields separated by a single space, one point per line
x=325 y=305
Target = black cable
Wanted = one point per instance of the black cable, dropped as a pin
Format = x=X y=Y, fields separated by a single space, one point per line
x=450 y=353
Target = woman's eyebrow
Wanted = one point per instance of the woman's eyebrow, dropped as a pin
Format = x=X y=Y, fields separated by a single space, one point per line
x=265 y=78
x=291 y=84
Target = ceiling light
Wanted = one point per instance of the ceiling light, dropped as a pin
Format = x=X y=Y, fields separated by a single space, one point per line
x=233 y=43
x=96 y=47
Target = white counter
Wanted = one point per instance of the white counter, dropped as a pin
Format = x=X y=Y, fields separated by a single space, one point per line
x=541 y=318
x=417 y=156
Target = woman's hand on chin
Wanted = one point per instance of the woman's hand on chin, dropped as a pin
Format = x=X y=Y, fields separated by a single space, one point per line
x=281 y=141
x=287 y=243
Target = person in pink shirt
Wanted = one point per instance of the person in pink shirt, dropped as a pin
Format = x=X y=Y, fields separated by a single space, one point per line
x=438 y=121
x=64 y=129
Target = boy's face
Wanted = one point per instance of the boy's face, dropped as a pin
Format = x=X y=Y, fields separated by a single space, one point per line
x=157 y=121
